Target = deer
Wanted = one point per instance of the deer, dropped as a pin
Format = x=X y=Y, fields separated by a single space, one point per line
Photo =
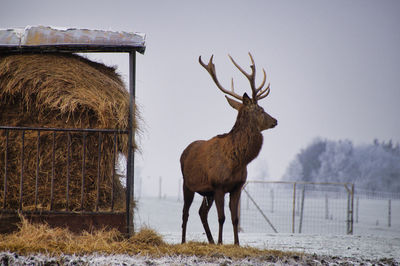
x=218 y=166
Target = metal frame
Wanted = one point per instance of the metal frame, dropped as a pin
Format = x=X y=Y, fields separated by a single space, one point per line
x=87 y=48
x=67 y=131
x=350 y=201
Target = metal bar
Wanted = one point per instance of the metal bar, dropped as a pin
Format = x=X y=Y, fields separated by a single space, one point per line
x=68 y=48
x=68 y=169
x=46 y=212
x=66 y=129
x=302 y=209
x=98 y=173
x=37 y=168
x=113 y=170
x=300 y=182
x=22 y=170
x=83 y=172
x=389 y=213
x=352 y=210
x=326 y=207
x=131 y=159
x=294 y=206
x=259 y=209
x=5 y=171
x=52 y=172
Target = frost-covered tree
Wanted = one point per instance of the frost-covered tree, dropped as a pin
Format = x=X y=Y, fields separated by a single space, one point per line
x=336 y=163
x=378 y=168
x=374 y=167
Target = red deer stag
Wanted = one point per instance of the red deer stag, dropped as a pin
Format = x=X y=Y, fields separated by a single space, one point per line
x=218 y=166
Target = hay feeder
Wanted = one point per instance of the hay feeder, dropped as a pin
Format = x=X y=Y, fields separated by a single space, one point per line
x=59 y=147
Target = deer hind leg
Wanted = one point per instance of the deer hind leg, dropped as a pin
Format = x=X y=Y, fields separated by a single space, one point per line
x=234 y=198
x=219 y=202
x=203 y=212
x=188 y=199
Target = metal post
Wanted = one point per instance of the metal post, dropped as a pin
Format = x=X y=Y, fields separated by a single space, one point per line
x=113 y=170
x=131 y=157
x=83 y=172
x=52 y=172
x=21 y=192
x=159 y=187
x=326 y=207
x=390 y=213
x=302 y=208
x=37 y=168
x=68 y=170
x=352 y=210
x=5 y=171
x=294 y=207
x=98 y=171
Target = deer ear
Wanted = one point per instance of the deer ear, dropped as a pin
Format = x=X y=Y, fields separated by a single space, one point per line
x=246 y=99
x=235 y=104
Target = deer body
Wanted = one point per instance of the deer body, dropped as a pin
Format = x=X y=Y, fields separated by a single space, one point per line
x=218 y=166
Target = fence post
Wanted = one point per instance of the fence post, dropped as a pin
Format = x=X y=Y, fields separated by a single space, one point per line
x=294 y=207
x=326 y=207
x=302 y=208
x=5 y=170
x=390 y=213
x=53 y=166
x=21 y=191
x=37 y=168
x=83 y=172
x=159 y=187
x=350 y=208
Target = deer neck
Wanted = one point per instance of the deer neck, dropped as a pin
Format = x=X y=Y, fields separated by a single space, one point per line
x=246 y=140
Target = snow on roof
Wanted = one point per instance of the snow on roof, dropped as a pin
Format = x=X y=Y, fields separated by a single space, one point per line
x=58 y=39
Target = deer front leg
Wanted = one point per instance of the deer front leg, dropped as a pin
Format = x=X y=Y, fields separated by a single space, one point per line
x=203 y=212
x=219 y=202
x=234 y=208
x=188 y=199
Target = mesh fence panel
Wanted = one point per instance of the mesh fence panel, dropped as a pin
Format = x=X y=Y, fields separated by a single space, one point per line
x=296 y=208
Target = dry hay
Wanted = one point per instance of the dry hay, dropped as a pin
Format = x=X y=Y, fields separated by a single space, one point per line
x=60 y=91
x=40 y=238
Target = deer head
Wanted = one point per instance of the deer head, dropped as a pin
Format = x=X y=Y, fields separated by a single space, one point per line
x=248 y=108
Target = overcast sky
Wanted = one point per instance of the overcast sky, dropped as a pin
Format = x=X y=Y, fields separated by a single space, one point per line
x=334 y=69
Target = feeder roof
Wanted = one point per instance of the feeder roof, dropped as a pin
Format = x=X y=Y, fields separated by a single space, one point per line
x=50 y=39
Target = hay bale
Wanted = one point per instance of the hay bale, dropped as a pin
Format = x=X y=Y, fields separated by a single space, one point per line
x=60 y=91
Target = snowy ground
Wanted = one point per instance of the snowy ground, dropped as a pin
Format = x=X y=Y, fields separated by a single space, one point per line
x=7 y=258
x=164 y=215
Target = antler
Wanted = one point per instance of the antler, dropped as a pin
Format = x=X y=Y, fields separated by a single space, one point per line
x=258 y=93
x=210 y=67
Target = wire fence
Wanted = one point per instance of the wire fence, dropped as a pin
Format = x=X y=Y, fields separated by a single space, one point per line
x=297 y=207
x=376 y=212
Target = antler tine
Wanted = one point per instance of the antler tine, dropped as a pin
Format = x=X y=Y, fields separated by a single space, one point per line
x=264 y=93
x=210 y=67
x=263 y=82
x=250 y=77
